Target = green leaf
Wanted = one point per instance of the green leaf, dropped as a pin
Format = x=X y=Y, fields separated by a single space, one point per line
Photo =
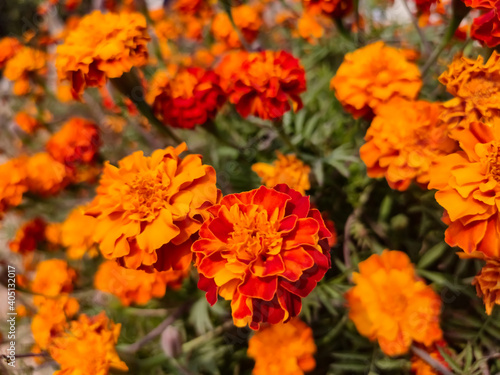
x=432 y=254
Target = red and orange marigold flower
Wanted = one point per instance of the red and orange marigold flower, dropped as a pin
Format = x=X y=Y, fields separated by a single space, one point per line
x=373 y=75
x=286 y=349
x=487 y=284
x=8 y=48
x=332 y=8
x=264 y=250
x=102 y=46
x=23 y=66
x=403 y=140
x=186 y=97
x=392 y=305
x=486 y=27
x=263 y=83
x=246 y=18
x=149 y=208
x=29 y=236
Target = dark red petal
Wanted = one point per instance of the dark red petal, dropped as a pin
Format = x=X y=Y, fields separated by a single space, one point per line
x=259 y=287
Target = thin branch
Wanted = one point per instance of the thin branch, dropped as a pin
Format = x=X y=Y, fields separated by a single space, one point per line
x=436 y=365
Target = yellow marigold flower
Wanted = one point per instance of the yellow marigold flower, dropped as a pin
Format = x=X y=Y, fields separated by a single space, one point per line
x=137 y=286
x=8 y=49
x=403 y=140
x=286 y=349
x=371 y=76
x=102 y=46
x=77 y=234
x=13 y=183
x=20 y=68
x=391 y=304
x=53 y=277
x=52 y=317
x=287 y=169
x=148 y=208
x=246 y=18
x=88 y=347
x=487 y=284
x=45 y=176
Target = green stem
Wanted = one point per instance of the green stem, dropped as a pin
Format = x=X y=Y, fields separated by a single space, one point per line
x=341 y=28
x=278 y=125
x=197 y=341
x=211 y=128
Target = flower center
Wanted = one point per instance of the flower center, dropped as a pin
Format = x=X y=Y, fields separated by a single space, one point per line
x=482 y=88
x=493 y=162
x=147 y=195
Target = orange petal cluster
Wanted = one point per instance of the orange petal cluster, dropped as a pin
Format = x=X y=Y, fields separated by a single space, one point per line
x=486 y=27
x=487 y=284
x=148 y=208
x=287 y=169
x=186 y=98
x=53 y=277
x=248 y=20
x=26 y=63
x=468 y=184
x=403 y=140
x=88 y=347
x=29 y=236
x=286 y=349
x=45 y=175
x=263 y=83
x=12 y=183
x=391 y=304
x=8 y=48
x=332 y=8
x=264 y=250
x=138 y=286
x=102 y=46
x=27 y=122
x=77 y=234
x=371 y=76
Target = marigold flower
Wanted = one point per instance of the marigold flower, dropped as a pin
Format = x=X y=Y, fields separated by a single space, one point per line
x=333 y=8
x=309 y=28
x=148 y=208
x=486 y=27
x=45 y=176
x=88 y=347
x=29 y=236
x=137 y=286
x=468 y=188
x=77 y=142
x=286 y=349
x=51 y=318
x=53 y=277
x=189 y=6
x=27 y=122
x=77 y=234
x=391 y=304
x=8 y=48
x=13 y=183
x=21 y=67
x=102 y=46
x=246 y=18
x=487 y=284
x=264 y=84
x=373 y=75
x=264 y=250
x=187 y=97
x=287 y=169
x=403 y=140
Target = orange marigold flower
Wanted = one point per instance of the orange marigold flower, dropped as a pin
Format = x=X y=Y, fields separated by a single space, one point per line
x=264 y=84
x=309 y=28
x=88 y=347
x=264 y=250
x=53 y=277
x=77 y=234
x=27 y=122
x=13 y=183
x=29 y=236
x=148 y=208
x=246 y=18
x=45 y=176
x=191 y=7
x=391 y=304
x=77 y=142
x=20 y=68
x=51 y=318
x=186 y=97
x=333 y=8
x=486 y=27
x=137 y=286
x=102 y=46
x=286 y=349
x=53 y=234
x=8 y=49
x=403 y=140
x=287 y=169
x=487 y=284
x=371 y=76
x=468 y=188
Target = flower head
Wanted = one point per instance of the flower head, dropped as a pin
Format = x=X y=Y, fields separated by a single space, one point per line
x=26 y=122
x=186 y=98
x=13 y=183
x=333 y=8
x=287 y=349
x=486 y=27
x=88 y=347
x=264 y=250
x=468 y=184
x=148 y=208
x=53 y=277
x=487 y=284
x=371 y=76
x=77 y=234
x=391 y=304
x=287 y=169
x=29 y=236
x=246 y=18
x=8 y=48
x=102 y=46
x=26 y=63
x=264 y=84
x=45 y=175
x=403 y=140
